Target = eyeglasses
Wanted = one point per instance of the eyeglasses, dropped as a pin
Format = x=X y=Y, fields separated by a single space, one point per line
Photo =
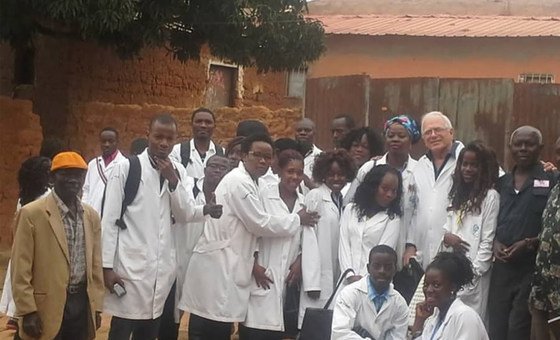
x=257 y=155
x=436 y=131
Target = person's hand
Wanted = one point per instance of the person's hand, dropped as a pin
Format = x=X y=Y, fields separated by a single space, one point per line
x=314 y=294
x=500 y=251
x=308 y=218
x=548 y=166
x=308 y=182
x=97 y=320
x=167 y=170
x=455 y=242
x=515 y=250
x=409 y=253
x=32 y=325
x=353 y=278
x=259 y=274
x=110 y=278
x=214 y=210
x=424 y=311
x=294 y=276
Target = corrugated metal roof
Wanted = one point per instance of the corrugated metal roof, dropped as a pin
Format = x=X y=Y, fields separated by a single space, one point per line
x=441 y=25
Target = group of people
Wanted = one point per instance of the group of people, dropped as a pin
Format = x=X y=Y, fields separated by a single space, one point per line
x=246 y=238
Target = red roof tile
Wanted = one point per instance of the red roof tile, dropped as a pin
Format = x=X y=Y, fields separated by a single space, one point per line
x=441 y=25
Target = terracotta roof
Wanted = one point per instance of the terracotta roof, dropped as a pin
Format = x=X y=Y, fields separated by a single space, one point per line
x=441 y=25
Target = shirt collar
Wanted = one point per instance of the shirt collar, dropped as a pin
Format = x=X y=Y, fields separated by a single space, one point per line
x=372 y=293
x=63 y=208
x=211 y=146
x=451 y=152
x=110 y=158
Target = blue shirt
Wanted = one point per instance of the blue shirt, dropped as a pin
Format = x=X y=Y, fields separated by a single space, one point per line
x=377 y=298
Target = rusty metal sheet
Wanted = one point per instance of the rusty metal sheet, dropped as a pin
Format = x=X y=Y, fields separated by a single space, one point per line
x=325 y=98
x=479 y=109
x=538 y=105
x=412 y=96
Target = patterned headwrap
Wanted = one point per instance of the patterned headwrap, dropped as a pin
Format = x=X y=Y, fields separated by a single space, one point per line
x=409 y=124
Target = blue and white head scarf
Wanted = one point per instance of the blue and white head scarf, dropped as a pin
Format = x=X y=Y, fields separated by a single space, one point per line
x=409 y=124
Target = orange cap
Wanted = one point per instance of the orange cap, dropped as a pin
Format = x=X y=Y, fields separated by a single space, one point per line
x=68 y=160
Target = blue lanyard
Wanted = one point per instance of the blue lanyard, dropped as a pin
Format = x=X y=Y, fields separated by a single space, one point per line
x=438 y=325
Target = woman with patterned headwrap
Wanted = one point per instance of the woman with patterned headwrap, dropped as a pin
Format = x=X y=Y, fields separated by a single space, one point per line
x=400 y=132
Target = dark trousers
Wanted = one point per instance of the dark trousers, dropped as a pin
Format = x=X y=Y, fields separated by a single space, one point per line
x=122 y=329
x=76 y=316
x=168 y=329
x=246 y=333
x=205 y=329
x=508 y=301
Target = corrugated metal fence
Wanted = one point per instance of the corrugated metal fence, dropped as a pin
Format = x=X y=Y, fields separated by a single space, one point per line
x=486 y=109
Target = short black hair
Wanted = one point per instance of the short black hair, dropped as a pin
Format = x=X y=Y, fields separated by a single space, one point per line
x=164 y=119
x=456 y=267
x=138 y=145
x=324 y=161
x=248 y=142
x=383 y=249
x=233 y=143
x=375 y=141
x=348 y=120
x=250 y=127
x=111 y=129
x=285 y=156
x=282 y=144
x=203 y=109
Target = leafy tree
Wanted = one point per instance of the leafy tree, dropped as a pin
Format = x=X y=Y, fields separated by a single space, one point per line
x=272 y=35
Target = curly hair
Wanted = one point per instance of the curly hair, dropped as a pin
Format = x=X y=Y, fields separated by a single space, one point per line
x=375 y=141
x=469 y=196
x=33 y=178
x=365 y=205
x=325 y=160
x=455 y=266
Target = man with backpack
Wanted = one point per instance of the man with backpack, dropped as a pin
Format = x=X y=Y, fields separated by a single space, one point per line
x=146 y=196
x=194 y=153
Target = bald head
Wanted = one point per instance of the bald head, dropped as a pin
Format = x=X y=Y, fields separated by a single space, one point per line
x=305 y=130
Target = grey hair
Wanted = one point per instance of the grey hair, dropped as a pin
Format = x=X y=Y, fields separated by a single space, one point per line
x=440 y=115
x=530 y=129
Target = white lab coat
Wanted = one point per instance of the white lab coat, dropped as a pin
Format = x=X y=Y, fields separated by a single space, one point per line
x=320 y=267
x=357 y=237
x=478 y=231
x=186 y=236
x=354 y=308
x=276 y=254
x=219 y=276
x=270 y=178
x=309 y=161
x=94 y=186
x=143 y=255
x=461 y=323
x=195 y=168
x=409 y=199
x=431 y=212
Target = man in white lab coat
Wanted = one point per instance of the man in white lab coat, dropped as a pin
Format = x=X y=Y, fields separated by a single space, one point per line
x=138 y=247
x=433 y=177
x=370 y=308
x=99 y=168
x=218 y=279
x=194 y=153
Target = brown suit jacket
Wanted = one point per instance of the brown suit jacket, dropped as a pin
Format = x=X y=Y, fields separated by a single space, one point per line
x=40 y=264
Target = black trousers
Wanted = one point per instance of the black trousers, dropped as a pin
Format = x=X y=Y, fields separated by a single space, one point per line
x=246 y=333
x=76 y=316
x=508 y=301
x=168 y=329
x=205 y=329
x=122 y=329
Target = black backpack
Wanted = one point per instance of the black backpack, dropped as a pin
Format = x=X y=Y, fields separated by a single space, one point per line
x=186 y=152
x=130 y=189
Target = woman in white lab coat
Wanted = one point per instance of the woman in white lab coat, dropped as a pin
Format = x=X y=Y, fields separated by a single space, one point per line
x=278 y=257
x=472 y=219
x=320 y=266
x=442 y=316
x=373 y=218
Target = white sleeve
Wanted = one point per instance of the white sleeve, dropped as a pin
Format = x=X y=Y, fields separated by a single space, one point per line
x=182 y=200
x=344 y=316
x=175 y=153
x=114 y=194
x=465 y=326
x=87 y=182
x=344 y=248
x=390 y=235
x=483 y=260
x=247 y=206
x=310 y=254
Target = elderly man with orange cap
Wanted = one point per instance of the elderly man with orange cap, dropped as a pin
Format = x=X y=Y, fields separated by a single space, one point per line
x=57 y=277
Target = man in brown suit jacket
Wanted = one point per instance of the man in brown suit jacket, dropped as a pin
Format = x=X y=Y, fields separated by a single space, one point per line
x=57 y=278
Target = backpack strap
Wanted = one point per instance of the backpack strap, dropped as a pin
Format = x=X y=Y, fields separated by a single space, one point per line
x=186 y=153
x=130 y=187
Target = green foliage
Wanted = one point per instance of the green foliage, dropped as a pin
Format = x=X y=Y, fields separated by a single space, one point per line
x=269 y=34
